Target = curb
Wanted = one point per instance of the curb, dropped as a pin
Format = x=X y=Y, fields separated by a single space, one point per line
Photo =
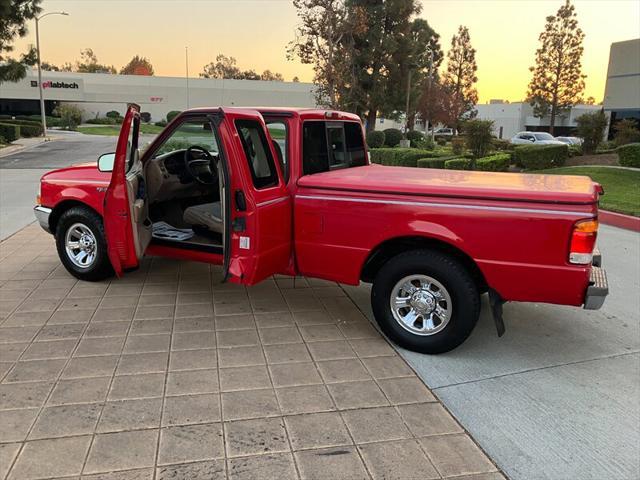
x=619 y=220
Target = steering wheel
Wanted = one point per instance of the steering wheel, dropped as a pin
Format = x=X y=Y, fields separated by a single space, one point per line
x=203 y=169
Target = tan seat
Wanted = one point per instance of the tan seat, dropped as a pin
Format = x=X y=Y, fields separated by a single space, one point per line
x=207 y=215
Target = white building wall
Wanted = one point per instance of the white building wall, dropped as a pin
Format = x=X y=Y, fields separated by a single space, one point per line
x=96 y=93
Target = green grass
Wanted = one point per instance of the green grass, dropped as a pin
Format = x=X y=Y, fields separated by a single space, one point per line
x=621 y=186
x=114 y=130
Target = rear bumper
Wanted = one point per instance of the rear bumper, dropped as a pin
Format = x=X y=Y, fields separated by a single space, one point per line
x=598 y=288
x=42 y=215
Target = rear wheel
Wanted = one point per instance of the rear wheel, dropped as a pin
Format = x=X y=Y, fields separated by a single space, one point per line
x=81 y=244
x=425 y=301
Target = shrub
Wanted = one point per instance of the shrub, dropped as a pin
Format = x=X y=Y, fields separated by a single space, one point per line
x=415 y=138
x=457 y=145
x=626 y=132
x=10 y=132
x=375 y=139
x=458 y=164
x=399 y=157
x=539 y=157
x=591 y=127
x=172 y=114
x=28 y=129
x=494 y=163
x=392 y=137
x=501 y=145
x=70 y=116
x=442 y=141
x=113 y=114
x=478 y=136
x=145 y=117
x=431 y=162
x=102 y=121
x=628 y=155
x=575 y=150
x=161 y=123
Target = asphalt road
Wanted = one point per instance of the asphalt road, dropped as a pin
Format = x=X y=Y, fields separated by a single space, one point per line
x=558 y=397
x=20 y=172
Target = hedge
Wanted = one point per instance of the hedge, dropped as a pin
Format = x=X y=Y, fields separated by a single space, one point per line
x=375 y=139
x=392 y=137
x=458 y=164
x=28 y=128
x=494 y=163
x=629 y=155
x=540 y=157
x=431 y=162
x=403 y=157
x=172 y=114
x=10 y=132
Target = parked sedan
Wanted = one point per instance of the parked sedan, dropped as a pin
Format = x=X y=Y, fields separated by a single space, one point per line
x=570 y=140
x=538 y=138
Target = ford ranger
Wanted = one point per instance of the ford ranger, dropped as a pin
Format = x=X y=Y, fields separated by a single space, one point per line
x=265 y=191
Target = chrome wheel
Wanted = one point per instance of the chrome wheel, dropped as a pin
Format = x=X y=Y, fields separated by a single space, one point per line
x=81 y=245
x=421 y=305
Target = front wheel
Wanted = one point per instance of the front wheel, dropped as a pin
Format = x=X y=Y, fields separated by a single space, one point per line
x=425 y=301
x=81 y=245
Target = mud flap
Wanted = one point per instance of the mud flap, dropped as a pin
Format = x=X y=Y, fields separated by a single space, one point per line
x=496 y=302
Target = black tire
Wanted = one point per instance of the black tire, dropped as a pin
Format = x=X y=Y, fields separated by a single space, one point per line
x=100 y=268
x=446 y=270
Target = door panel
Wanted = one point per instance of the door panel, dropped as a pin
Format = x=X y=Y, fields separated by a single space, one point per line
x=121 y=245
x=260 y=214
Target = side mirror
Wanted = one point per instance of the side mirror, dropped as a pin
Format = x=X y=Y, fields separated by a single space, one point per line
x=105 y=162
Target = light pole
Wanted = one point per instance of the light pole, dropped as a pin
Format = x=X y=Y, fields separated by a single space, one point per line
x=42 y=113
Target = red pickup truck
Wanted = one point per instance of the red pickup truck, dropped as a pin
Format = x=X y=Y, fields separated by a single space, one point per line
x=291 y=191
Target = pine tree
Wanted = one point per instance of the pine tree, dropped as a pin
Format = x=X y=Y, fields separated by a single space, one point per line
x=460 y=76
x=557 y=82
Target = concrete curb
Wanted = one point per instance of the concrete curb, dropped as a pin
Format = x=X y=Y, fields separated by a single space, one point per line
x=619 y=220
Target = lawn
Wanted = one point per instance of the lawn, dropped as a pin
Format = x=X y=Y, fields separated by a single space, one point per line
x=114 y=130
x=621 y=186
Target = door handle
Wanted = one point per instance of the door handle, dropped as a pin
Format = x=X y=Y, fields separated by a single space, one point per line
x=241 y=201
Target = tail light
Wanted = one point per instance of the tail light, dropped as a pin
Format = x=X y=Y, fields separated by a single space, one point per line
x=583 y=241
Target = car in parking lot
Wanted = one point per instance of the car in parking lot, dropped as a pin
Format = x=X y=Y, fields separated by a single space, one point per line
x=216 y=186
x=537 y=138
x=570 y=140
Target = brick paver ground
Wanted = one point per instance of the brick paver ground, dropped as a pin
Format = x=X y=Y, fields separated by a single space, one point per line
x=170 y=374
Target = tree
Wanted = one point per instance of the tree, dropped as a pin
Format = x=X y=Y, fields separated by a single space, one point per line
x=295 y=79
x=13 y=17
x=70 y=116
x=478 y=135
x=88 y=63
x=318 y=42
x=435 y=103
x=591 y=127
x=270 y=76
x=557 y=82
x=460 y=76
x=50 y=67
x=138 y=66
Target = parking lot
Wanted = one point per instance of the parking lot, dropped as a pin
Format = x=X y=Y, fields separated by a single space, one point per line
x=153 y=390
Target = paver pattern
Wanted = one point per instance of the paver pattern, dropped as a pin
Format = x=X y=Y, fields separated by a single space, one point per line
x=168 y=373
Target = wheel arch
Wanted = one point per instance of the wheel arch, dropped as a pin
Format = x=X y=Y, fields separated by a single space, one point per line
x=394 y=246
x=62 y=207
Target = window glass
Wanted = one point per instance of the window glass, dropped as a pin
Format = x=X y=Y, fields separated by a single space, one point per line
x=193 y=132
x=258 y=154
x=279 y=135
x=330 y=145
x=314 y=148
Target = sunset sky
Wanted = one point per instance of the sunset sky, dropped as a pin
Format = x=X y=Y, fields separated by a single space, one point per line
x=256 y=32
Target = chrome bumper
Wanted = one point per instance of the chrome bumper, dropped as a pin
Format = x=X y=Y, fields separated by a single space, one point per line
x=42 y=215
x=598 y=288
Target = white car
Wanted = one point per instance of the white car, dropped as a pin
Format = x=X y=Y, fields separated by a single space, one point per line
x=443 y=132
x=535 y=138
x=570 y=140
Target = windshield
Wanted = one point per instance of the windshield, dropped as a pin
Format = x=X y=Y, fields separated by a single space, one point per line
x=193 y=132
x=543 y=136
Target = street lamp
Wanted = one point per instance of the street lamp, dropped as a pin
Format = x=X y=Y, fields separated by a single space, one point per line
x=44 y=118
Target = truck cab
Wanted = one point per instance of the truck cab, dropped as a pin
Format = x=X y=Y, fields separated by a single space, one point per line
x=291 y=191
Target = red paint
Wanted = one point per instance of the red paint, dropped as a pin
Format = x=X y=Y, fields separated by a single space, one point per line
x=516 y=228
x=619 y=220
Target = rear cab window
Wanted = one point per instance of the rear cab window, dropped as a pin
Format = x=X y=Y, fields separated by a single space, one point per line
x=331 y=145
